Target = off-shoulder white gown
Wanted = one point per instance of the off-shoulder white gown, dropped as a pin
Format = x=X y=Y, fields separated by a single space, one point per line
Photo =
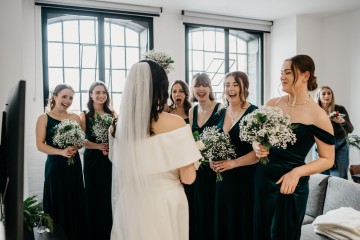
x=159 y=212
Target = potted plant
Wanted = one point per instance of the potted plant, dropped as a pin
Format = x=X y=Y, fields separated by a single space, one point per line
x=35 y=218
x=354 y=141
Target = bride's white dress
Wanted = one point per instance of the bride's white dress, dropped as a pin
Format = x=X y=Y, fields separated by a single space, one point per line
x=159 y=210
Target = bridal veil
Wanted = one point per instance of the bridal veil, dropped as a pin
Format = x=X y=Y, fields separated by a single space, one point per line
x=129 y=170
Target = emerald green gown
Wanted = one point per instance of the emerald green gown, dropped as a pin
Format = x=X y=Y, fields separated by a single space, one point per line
x=279 y=216
x=64 y=192
x=201 y=194
x=234 y=195
x=97 y=177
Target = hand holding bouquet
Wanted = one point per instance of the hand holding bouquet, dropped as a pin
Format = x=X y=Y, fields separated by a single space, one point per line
x=215 y=146
x=268 y=126
x=68 y=133
x=336 y=114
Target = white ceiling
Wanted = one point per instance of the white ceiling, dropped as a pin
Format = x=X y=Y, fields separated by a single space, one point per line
x=256 y=9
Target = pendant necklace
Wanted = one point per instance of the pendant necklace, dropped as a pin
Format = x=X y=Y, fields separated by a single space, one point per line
x=232 y=115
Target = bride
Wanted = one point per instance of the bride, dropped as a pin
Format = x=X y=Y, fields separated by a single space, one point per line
x=152 y=153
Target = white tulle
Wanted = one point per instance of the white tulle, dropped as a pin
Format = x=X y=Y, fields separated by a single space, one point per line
x=148 y=199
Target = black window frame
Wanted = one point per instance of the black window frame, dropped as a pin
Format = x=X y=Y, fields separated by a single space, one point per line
x=189 y=26
x=83 y=11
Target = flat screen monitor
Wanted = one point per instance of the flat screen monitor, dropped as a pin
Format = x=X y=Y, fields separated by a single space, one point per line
x=12 y=161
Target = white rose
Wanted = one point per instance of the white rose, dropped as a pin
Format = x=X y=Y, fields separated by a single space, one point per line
x=200 y=145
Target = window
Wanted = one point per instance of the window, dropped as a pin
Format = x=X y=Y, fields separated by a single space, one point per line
x=217 y=51
x=80 y=47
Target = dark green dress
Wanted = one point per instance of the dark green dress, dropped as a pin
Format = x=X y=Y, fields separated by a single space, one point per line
x=64 y=191
x=97 y=176
x=201 y=194
x=279 y=216
x=234 y=195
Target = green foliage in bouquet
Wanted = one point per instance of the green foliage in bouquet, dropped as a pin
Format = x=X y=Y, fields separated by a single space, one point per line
x=100 y=127
x=269 y=127
x=214 y=145
x=68 y=133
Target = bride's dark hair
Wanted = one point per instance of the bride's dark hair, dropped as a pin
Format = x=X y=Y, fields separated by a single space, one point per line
x=160 y=86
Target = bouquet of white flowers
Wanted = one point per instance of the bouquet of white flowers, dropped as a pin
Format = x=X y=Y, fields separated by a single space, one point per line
x=68 y=133
x=100 y=127
x=160 y=58
x=215 y=146
x=268 y=126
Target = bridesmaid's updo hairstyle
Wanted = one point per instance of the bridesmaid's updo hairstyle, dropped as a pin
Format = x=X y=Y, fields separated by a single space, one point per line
x=51 y=102
x=304 y=63
x=204 y=80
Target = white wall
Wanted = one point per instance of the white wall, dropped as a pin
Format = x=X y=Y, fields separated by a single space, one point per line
x=309 y=40
x=341 y=61
x=11 y=45
x=283 y=46
x=169 y=36
x=34 y=160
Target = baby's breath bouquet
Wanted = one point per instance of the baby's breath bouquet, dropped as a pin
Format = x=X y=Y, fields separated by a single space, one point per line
x=160 y=58
x=215 y=146
x=68 y=133
x=268 y=126
x=100 y=127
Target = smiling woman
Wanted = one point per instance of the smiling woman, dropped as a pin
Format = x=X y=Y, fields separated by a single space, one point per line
x=234 y=201
x=63 y=195
x=283 y=181
x=97 y=166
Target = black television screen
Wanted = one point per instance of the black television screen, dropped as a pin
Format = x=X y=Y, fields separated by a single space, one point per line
x=12 y=161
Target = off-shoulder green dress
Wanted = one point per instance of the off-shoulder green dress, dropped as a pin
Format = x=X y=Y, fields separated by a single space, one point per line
x=279 y=216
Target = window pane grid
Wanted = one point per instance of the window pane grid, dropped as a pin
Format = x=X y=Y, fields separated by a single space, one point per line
x=73 y=52
x=207 y=53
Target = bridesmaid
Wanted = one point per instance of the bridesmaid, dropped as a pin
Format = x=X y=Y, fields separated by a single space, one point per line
x=201 y=194
x=281 y=186
x=63 y=187
x=180 y=104
x=97 y=166
x=234 y=195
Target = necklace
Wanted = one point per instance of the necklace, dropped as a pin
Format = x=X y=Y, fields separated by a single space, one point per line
x=233 y=115
x=296 y=104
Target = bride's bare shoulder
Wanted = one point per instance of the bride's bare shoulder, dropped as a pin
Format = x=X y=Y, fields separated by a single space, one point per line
x=167 y=122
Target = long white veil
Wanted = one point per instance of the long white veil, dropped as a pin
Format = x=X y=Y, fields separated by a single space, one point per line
x=129 y=185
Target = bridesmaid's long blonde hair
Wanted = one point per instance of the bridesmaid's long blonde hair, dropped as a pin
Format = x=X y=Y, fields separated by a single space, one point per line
x=332 y=103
